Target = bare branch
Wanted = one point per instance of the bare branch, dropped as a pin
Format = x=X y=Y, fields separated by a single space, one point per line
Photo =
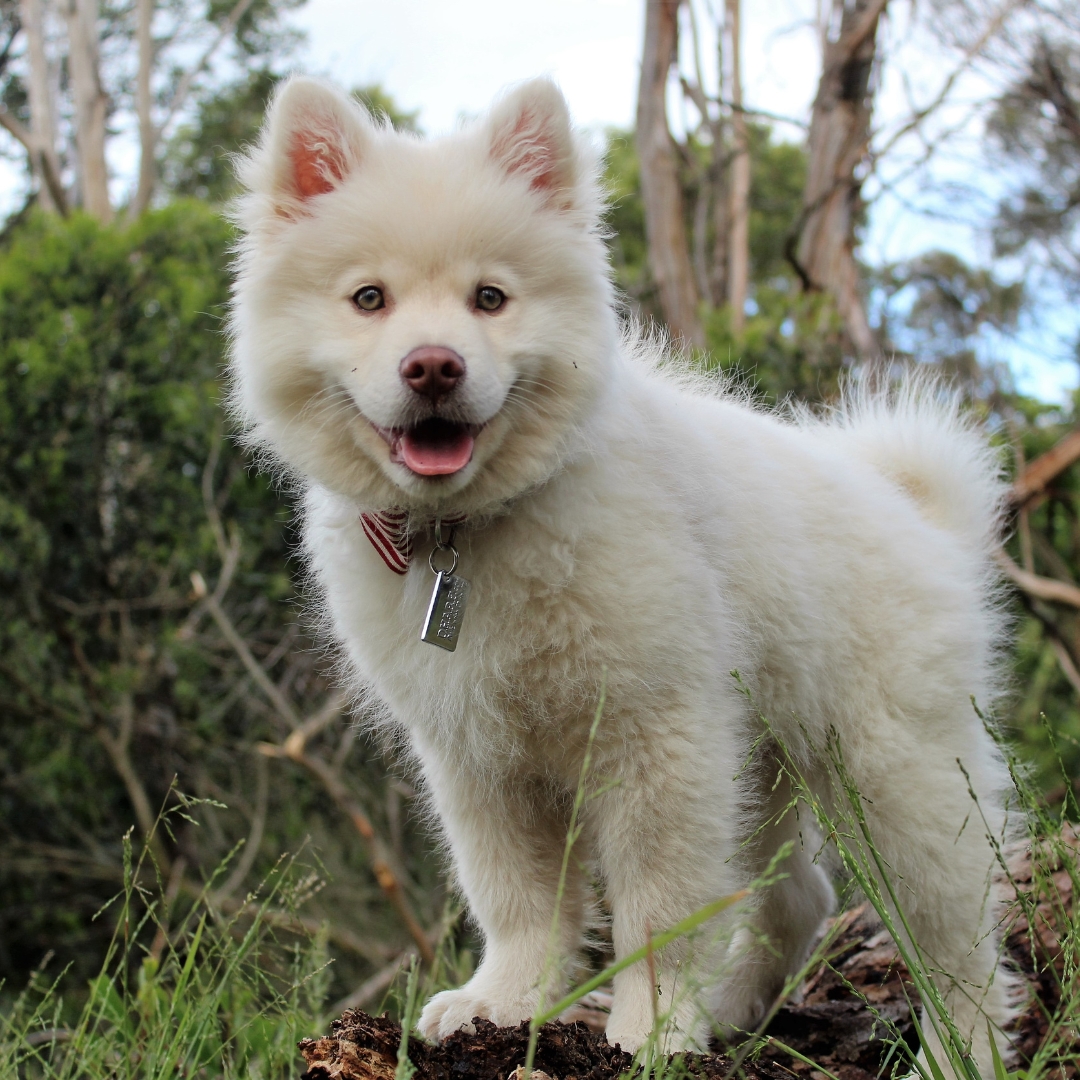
x=17 y=128
x=296 y=743
x=254 y=838
x=293 y=749
x=1065 y=662
x=970 y=56
x=107 y=607
x=377 y=851
x=1035 y=476
x=183 y=88
x=702 y=101
x=240 y=647
x=372 y=951
x=46 y=164
x=117 y=747
x=1042 y=588
x=372 y=987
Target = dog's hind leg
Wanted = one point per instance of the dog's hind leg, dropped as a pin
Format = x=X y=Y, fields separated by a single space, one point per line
x=931 y=837
x=779 y=931
x=663 y=836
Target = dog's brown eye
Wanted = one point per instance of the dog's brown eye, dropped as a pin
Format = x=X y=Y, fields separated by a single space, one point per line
x=369 y=298
x=488 y=298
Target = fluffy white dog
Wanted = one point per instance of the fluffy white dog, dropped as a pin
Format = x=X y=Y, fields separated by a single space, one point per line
x=426 y=333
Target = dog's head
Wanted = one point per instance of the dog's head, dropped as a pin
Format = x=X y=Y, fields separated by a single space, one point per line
x=420 y=324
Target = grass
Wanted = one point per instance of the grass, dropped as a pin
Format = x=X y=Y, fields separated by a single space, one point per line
x=196 y=993
x=204 y=996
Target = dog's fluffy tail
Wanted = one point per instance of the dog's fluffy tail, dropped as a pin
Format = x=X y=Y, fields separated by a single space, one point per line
x=916 y=435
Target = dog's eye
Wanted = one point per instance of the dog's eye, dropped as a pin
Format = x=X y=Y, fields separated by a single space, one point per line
x=369 y=298
x=488 y=298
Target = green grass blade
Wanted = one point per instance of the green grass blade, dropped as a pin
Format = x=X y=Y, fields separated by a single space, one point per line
x=1000 y=1072
x=658 y=941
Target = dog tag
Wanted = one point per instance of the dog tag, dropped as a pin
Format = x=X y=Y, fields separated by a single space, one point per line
x=446 y=610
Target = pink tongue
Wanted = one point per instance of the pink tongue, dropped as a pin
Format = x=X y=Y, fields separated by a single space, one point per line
x=448 y=452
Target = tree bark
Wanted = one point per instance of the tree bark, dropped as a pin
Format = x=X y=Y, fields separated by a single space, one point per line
x=91 y=107
x=739 y=240
x=44 y=162
x=148 y=134
x=665 y=226
x=838 y=142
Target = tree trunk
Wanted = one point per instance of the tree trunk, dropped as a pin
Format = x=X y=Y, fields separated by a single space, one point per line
x=44 y=162
x=839 y=137
x=91 y=107
x=739 y=241
x=665 y=226
x=148 y=134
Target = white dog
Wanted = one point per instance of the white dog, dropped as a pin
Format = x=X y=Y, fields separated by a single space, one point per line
x=426 y=334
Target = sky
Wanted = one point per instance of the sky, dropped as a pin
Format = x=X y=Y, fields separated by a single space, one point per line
x=447 y=59
x=450 y=58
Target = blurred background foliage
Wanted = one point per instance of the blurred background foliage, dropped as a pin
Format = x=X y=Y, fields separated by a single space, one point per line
x=152 y=635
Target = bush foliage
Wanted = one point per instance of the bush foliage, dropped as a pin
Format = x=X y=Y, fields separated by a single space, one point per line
x=116 y=485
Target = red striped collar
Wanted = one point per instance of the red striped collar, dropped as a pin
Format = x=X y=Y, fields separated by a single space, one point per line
x=388 y=531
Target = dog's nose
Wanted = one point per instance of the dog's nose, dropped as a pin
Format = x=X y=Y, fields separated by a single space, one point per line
x=432 y=371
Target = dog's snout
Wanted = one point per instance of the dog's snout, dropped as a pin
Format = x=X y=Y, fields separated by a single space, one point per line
x=432 y=371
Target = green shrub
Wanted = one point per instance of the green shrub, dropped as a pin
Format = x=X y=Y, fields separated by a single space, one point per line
x=117 y=483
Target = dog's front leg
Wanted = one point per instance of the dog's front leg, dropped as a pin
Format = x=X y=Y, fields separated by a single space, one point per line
x=663 y=837
x=507 y=836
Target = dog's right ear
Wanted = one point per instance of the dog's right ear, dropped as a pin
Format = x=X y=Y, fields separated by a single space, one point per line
x=313 y=139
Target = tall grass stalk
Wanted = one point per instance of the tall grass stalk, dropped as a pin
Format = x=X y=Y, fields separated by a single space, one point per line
x=219 y=997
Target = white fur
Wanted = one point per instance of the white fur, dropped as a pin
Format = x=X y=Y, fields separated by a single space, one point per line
x=628 y=523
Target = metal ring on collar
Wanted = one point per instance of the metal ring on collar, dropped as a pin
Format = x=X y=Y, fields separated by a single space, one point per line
x=443 y=547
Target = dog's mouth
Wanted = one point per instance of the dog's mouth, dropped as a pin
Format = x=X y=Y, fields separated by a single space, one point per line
x=434 y=447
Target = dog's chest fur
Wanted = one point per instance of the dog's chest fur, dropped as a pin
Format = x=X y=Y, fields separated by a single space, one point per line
x=561 y=605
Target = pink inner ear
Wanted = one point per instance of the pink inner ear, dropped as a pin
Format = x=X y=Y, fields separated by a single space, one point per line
x=316 y=165
x=527 y=148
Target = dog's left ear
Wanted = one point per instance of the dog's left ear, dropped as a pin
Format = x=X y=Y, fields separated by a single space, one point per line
x=530 y=136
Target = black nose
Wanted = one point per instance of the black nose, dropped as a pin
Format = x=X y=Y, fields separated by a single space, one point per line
x=432 y=371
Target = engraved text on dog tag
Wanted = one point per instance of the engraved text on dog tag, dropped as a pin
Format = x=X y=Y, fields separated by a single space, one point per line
x=446 y=610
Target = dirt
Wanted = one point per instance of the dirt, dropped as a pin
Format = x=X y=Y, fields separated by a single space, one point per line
x=835 y=1017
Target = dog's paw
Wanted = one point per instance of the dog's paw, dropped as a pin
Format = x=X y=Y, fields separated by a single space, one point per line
x=453 y=1010
x=634 y=1019
x=740 y=1004
x=628 y=1037
x=632 y=1037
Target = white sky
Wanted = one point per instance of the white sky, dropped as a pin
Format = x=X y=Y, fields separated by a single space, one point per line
x=449 y=58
